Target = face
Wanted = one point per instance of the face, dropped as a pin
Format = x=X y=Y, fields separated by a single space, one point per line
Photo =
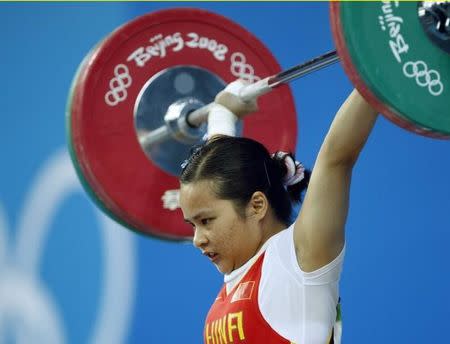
x=226 y=238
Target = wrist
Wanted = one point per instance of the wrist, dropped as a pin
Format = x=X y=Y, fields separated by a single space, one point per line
x=221 y=121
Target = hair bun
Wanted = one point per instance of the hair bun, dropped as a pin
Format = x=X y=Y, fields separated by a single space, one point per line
x=295 y=175
x=295 y=171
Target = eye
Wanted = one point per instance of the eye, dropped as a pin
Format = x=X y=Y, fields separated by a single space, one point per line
x=206 y=221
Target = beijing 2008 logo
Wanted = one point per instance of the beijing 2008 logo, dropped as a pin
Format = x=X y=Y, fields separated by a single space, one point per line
x=28 y=310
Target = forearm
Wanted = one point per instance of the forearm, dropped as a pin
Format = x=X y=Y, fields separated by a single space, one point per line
x=349 y=131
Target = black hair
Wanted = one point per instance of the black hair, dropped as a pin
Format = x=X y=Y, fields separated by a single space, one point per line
x=239 y=167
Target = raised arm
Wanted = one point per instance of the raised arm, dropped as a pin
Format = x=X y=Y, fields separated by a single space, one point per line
x=319 y=233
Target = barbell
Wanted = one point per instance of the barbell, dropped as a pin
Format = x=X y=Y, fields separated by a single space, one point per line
x=139 y=99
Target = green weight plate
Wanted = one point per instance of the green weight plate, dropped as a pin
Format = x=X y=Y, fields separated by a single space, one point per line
x=394 y=64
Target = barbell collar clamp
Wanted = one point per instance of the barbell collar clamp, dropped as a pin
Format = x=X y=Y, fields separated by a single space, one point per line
x=176 y=125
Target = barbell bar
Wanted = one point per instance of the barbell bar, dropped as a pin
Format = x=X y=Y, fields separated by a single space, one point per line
x=249 y=92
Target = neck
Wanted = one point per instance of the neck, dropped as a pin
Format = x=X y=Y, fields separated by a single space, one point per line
x=269 y=227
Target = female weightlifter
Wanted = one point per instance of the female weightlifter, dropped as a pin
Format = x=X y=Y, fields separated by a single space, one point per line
x=281 y=276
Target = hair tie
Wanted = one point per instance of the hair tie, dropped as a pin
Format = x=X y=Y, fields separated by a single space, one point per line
x=193 y=153
x=295 y=171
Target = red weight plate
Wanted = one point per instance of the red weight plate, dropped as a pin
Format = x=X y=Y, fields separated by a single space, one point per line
x=72 y=93
x=354 y=74
x=128 y=184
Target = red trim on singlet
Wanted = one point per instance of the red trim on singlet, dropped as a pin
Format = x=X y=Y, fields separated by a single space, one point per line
x=240 y=321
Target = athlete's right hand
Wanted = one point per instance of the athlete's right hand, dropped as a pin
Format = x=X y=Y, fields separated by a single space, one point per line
x=229 y=98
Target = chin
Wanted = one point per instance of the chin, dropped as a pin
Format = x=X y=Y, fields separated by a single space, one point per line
x=223 y=269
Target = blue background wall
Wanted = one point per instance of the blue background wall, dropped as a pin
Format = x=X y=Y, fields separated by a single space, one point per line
x=68 y=274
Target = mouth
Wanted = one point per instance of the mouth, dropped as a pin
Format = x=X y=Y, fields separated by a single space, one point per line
x=213 y=257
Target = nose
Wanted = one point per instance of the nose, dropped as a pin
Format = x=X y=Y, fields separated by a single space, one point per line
x=199 y=239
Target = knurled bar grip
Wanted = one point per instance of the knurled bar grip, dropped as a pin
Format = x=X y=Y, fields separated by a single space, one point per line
x=250 y=92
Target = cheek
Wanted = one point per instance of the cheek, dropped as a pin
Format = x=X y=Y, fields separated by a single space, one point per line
x=223 y=233
x=232 y=235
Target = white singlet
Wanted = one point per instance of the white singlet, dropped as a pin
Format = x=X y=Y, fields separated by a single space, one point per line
x=298 y=305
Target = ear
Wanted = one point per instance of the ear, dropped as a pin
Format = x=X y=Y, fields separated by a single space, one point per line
x=258 y=205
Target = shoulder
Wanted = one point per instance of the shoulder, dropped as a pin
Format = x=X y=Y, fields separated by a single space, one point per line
x=281 y=253
x=289 y=297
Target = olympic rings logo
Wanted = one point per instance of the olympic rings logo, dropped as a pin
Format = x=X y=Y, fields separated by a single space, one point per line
x=118 y=85
x=23 y=290
x=424 y=77
x=241 y=69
